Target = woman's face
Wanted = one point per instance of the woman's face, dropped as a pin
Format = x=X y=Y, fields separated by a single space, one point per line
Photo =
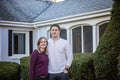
x=43 y=43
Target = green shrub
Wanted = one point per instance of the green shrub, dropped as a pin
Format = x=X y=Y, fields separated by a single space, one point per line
x=108 y=50
x=9 y=71
x=119 y=66
x=82 y=67
x=25 y=62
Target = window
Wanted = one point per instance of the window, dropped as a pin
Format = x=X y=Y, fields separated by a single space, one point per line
x=19 y=43
x=48 y=34
x=102 y=29
x=77 y=43
x=82 y=39
x=63 y=33
x=87 y=39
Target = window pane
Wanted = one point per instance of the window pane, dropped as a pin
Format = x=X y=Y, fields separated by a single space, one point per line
x=19 y=43
x=76 y=36
x=63 y=33
x=87 y=39
x=48 y=34
x=102 y=29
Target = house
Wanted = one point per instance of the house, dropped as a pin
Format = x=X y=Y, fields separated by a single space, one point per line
x=22 y=22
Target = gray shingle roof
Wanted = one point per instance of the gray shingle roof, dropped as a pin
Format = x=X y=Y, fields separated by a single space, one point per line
x=73 y=7
x=39 y=10
x=21 y=10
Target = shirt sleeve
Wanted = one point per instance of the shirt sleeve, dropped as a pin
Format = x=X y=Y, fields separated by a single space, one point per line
x=33 y=59
x=69 y=54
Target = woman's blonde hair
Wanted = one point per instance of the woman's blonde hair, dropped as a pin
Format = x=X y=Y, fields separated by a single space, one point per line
x=46 y=50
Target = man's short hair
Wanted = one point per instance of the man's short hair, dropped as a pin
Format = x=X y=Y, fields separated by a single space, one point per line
x=56 y=25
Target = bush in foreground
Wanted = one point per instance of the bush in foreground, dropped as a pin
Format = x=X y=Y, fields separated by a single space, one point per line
x=82 y=67
x=118 y=66
x=109 y=48
x=25 y=62
x=9 y=71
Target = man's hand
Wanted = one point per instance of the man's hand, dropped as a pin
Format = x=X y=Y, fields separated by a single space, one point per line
x=65 y=71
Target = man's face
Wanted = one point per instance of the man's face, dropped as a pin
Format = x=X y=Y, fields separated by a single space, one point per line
x=55 y=32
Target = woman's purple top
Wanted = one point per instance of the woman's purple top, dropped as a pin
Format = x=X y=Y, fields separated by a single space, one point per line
x=38 y=65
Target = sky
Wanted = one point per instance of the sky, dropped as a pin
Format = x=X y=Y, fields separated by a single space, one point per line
x=59 y=0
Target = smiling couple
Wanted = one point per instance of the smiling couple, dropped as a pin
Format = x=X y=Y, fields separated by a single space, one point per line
x=52 y=59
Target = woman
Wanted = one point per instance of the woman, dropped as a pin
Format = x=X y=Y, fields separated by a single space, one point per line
x=39 y=61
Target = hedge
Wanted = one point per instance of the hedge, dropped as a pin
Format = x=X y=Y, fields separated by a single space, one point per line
x=109 y=48
x=82 y=67
x=118 y=66
x=25 y=61
x=9 y=71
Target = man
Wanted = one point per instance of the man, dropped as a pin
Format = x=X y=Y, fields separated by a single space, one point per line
x=60 y=55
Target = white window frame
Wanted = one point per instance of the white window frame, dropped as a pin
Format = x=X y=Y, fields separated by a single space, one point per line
x=82 y=40
x=48 y=34
x=81 y=36
x=16 y=56
x=98 y=25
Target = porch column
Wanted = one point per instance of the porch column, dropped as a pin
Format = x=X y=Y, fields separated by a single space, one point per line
x=94 y=29
x=0 y=45
x=82 y=38
x=68 y=35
